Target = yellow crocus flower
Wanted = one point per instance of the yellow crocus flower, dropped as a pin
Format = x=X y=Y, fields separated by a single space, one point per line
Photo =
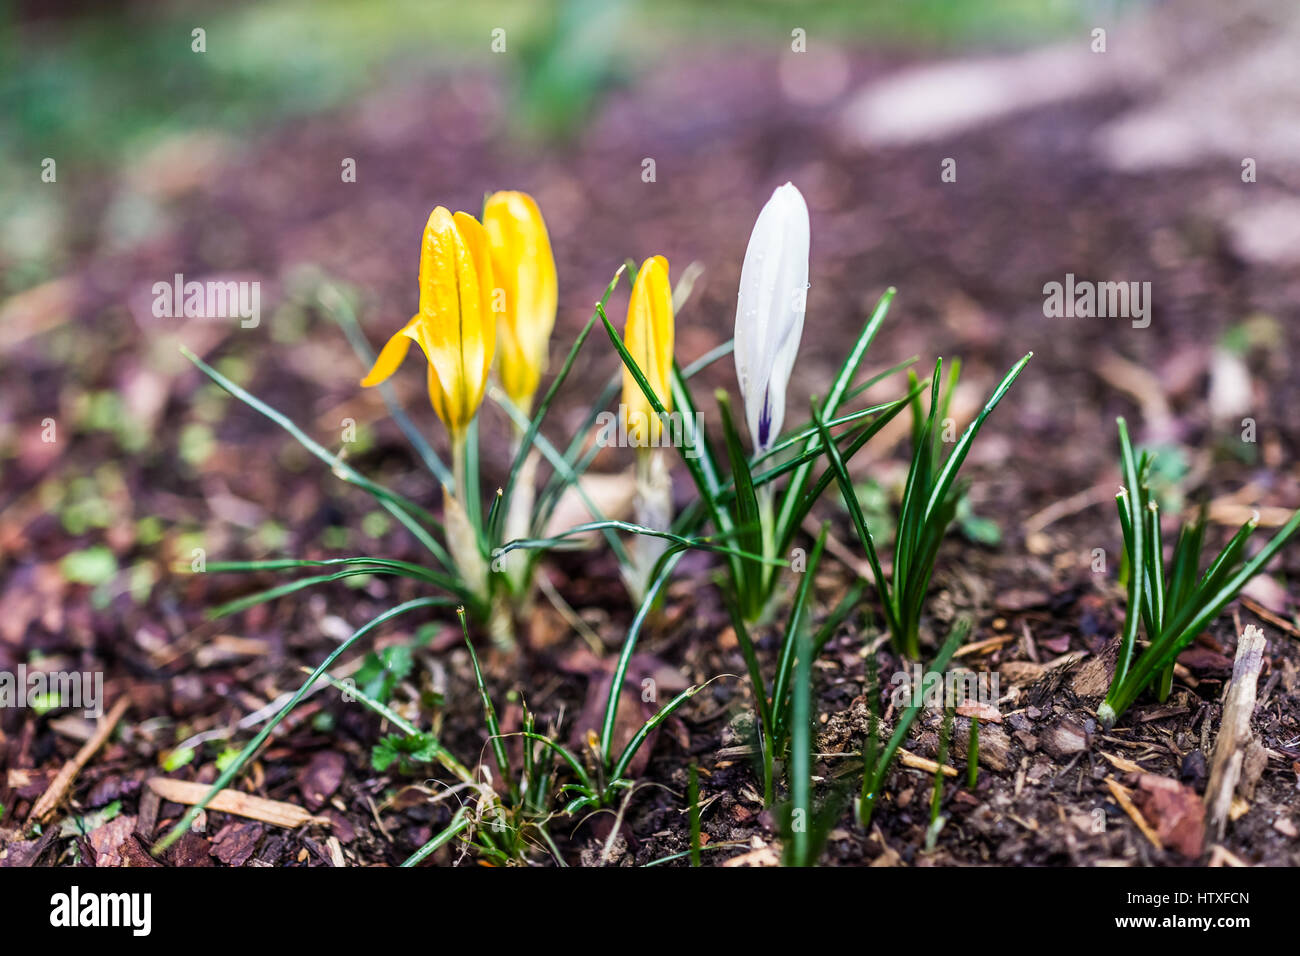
x=524 y=268
x=455 y=326
x=648 y=336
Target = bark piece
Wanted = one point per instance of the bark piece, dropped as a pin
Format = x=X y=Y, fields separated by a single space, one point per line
x=321 y=778
x=1064 y=739
x=106 y=841
x=235 y=844
x=232 y=801
x=1177 y=812
x=1233 y=745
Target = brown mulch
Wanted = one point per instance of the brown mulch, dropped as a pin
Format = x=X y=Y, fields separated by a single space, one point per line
x=969 y=260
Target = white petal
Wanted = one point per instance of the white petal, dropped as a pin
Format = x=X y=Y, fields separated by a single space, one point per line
x=770 y=310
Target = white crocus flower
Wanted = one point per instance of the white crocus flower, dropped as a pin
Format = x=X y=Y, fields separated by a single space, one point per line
x=770 y=310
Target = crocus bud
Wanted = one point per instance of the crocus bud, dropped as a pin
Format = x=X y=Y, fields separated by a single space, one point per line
x=455 y=325
x=770 y=310
x=524 y=269
x=649 y=338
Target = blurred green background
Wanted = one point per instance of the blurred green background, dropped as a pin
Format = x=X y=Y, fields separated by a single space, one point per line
x=97 y=85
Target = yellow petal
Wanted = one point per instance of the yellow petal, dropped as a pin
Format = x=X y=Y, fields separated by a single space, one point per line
x=524 y=269
x=649 y=338
x=436 y=394
x=476 y=240
x=390 y=357
x=451 y=328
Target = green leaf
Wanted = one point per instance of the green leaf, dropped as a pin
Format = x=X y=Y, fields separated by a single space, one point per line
x=489 y=711
x=657 y=582
x=849 y=495
x=533 y=427
x=82 y=825
x=380 y=673
x=790 y=643
x=92 y=566
x=748 y=522
x=406 y=750
x=178 y=758
x=787 y=519
x=459 y=823
x=950 y=467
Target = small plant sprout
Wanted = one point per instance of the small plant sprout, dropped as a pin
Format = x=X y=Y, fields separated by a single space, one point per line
x=931 y=496
x=1174 y=607
x=876 y=762
x=937 y=820
x=511 y=814
x=805 y=826
x=524 y=268
x=973 y=754
x=599 y=779
x=599 y=788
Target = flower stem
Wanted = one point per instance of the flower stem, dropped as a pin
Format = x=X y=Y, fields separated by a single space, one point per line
x=463 y=542
x=519 y=521
x=654 y=509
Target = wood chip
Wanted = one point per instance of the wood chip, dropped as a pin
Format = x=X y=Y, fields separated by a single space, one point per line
x=1221 y=857
x=923 y=763
x=1235 y=739
x=1092 y=677
x=336 y=851
x=1122 y=764
x=980 y=647
x=275 y=812
x=1064 y=738
x=988 y=713
x=1176 y=810
x=1278 y=622
x=761 y=855
x=62 y=783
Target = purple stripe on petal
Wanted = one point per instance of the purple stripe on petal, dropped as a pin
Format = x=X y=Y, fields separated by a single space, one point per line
x=765 y=421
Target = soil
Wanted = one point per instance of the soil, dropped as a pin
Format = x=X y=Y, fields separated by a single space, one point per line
x=969 y=259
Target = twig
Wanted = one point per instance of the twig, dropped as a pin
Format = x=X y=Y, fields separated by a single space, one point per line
x=1096 y=495
x=1120 y=793
x=59 y=787
x=570 y=616
x=1235 y=739
x=1264 y=613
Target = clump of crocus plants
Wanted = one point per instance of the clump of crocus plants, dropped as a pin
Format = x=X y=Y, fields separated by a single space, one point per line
x=487 y=301
x=485 y=293
x=931 y=497
x=1176 y=605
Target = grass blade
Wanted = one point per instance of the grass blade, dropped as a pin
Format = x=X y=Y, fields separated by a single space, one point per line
x=255 y=744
